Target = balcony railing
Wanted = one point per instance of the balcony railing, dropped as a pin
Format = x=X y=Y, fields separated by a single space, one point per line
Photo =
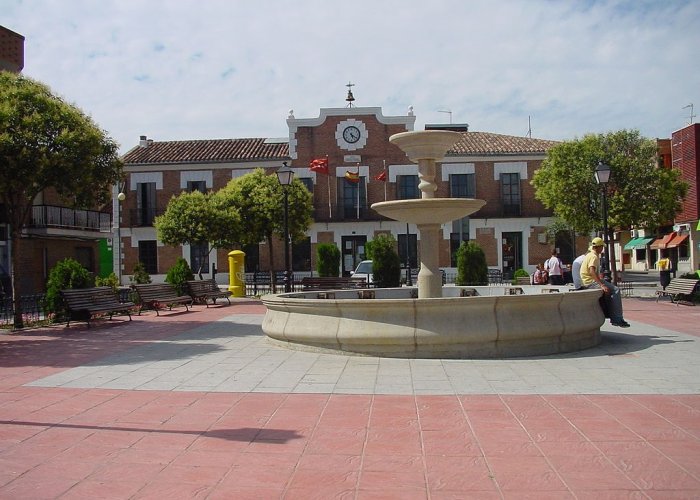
x=339 y=213
x=143 y=217
x=52 y=216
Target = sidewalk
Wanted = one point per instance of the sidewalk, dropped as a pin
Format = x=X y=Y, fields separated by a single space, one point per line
x=199 y=405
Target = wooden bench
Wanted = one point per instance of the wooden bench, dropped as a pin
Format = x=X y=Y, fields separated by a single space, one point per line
x=83 y=304
x=156 y=295
x=205 y=290
x=333 y=283
x=677 y=289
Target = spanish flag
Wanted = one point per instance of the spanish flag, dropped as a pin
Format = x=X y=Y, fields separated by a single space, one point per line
x=319 y=165
x=353 y=177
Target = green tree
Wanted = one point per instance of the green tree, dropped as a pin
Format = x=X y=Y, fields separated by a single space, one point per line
x=198 y=218
x=259 y=200
x=471 y=265
x=639 y=193
x=47 y=143
x=327 y=260
x=386 y=265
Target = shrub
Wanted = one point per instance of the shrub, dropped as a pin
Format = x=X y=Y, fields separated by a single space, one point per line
x=520 y=273
x=67 y=273
x=471 y=265
x=178 y=274
x=386 y=266
x=328 y=260
x=110 y=280
x=139 y=275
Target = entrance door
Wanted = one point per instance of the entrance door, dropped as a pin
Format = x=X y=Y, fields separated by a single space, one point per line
x=512 y=254
x=353 y=252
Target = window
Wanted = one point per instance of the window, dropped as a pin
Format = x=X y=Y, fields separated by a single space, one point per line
x=408 y=245
x=199 y=257
x=462 y=186
x=84 y=255
x=148 y=256
x=510 y=194
x=252 y=258
x=407 y=187
x=308 y=182
x=301 y=255
x=354 y=198
x=145 y=203
x=460 y=233
x=200 y=186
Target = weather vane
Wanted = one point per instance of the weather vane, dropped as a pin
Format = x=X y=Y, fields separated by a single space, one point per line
x=350 y=97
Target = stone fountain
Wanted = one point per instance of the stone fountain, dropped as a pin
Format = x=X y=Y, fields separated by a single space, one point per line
x=437 y=321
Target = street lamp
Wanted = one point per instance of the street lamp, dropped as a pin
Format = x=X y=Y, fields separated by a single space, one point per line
x=120 y=199
x=602 y=177
x=285 y=176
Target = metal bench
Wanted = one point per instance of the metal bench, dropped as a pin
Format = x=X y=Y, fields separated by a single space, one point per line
x=157 y=295
x=206 y=290
x=678 y=289
x=83 y=304
x=333 y=283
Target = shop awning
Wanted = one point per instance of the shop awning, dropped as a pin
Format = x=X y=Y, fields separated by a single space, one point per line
x=663 y=242
x=635 y=243
x=677 y=241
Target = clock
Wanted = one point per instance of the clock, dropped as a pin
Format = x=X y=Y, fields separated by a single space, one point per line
x=351 y=134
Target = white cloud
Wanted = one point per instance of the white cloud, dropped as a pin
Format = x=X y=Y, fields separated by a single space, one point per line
x=212 y=69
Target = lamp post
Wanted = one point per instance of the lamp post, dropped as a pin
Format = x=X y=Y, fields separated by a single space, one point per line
x=120 y=199
x=285 y=176
x=602 y=177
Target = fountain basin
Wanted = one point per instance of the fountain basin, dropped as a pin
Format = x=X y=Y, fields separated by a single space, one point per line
x=428 y=211
x=393 y=324
x=425 y=144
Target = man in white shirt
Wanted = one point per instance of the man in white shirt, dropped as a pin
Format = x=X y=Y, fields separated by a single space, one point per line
x=576 y=271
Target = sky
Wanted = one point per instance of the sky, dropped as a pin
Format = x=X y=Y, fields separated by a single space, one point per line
x=214 y=69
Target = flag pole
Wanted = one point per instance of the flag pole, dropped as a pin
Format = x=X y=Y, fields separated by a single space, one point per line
x=359 y=186
x=328 y=181
x=385 y=181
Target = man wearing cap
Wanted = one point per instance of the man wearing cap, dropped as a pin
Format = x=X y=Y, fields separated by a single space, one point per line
x=590 y=278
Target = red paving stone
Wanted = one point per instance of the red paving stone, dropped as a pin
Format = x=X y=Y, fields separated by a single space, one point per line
x=97 y=443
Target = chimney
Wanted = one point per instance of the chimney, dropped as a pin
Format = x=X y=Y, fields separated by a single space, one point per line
x=143 y=141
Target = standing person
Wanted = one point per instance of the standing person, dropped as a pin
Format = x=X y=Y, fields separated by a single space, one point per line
x=553 y=266
x=576 y=270
x=540 y=276
x=590 y=278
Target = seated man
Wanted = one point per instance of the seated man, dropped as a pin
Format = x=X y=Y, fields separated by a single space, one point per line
x=590 y=278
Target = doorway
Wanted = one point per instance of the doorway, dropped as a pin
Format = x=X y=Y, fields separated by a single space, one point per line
x=512 y=254
x=353 y=252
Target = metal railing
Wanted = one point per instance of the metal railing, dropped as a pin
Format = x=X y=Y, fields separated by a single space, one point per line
x=32 y=309
x=45 y=216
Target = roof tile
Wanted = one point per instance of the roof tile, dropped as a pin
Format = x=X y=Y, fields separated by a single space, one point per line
x=207 y=151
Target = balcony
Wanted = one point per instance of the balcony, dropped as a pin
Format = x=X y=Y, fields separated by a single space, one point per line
x=48 y=217
x=143 y=217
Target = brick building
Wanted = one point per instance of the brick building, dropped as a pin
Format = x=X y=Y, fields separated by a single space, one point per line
x=497 y=168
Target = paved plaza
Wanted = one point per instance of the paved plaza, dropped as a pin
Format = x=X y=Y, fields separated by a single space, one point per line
x=202 y=405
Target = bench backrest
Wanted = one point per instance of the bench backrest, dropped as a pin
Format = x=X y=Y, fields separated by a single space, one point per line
x=202 y=286
x=329 y=282
x=155 y=291
x=81 y=298
x=682 y=285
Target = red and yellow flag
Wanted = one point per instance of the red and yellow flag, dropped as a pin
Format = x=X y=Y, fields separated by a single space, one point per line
x=319 y=165
x=381 y=177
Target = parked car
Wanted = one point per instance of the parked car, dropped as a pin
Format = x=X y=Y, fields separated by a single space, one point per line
x=363 y=270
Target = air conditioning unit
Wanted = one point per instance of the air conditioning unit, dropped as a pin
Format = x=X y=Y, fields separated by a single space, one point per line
x=681 y=228
x=634 y=233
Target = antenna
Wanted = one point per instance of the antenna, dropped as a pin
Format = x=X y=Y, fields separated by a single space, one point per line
x=448 y=111
x=692 y=115
x=529 y=127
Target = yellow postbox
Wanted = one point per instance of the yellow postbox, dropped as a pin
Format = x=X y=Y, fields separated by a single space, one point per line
x=236 y=273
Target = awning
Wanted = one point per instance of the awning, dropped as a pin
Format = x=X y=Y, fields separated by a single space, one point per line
x=677 y=241
x=635 y=243
x=663 y=242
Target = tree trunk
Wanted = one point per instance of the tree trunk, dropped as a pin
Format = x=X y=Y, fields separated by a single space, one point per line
x=14 y=277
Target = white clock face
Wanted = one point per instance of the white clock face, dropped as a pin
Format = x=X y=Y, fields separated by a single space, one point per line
x=351 y=134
